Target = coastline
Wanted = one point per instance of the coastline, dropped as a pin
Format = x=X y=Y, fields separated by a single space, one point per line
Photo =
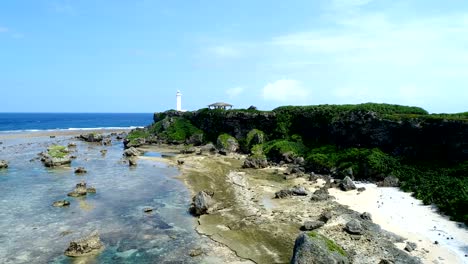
x=247 y=215
x=253 y=204
x=4 y=135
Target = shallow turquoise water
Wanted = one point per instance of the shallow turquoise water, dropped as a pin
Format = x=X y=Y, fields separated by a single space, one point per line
x=35 y=232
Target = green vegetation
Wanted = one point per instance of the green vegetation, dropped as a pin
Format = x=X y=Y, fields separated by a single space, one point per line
x=224 y=141
x=275 y=149
x=57 y=151
x=331 y=245
x=138 y=133
x=174 y=129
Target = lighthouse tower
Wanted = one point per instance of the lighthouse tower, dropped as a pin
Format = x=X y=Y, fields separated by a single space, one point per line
x=179 y=100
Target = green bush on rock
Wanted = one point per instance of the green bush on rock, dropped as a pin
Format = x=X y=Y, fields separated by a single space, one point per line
x=57 y=151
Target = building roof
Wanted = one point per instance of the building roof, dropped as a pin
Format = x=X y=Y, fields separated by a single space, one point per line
x=220 y=104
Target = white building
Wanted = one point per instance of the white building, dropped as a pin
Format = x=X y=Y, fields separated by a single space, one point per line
x=179 y=101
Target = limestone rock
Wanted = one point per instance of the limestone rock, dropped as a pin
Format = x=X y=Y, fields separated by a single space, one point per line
x=410 y=246
x=366 y=216
x=131 y=152
x=227 y=144
x=320 y=195
x=132 y=162
x=315 y=249
x=201 y=203
x=325 y=216
x=3 y=164
x=91 y=137
x=61 y=203
x=255 y=163
x=389 y=181
x=311 y=225
x=85 y=246
x=80 y=190
x=80 y=170
x=299 y=190
x=354 y=227
x=347 y=184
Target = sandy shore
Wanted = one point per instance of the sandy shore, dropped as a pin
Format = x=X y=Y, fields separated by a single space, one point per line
x=398 y=212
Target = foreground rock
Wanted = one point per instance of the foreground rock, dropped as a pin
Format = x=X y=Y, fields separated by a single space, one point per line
x=81 y=190
x=55 y=156
x=85 y=246
x=61 y=203
x=227 y=144
x=80 y=170
x=202 y=202
x=317 y=249
x=354 y=227
x=3 y=164
x=255 y=163
x=347 y=184
x=91 y=137
x=311 y=225
x=131 y=152
x=296 y=191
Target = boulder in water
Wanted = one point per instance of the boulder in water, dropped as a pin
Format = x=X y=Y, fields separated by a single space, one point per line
x=3 y=164
x=80 y=190
x=61 y=203
x=85 y=246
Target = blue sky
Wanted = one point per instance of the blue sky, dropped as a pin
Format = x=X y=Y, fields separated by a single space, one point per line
x=132 y=56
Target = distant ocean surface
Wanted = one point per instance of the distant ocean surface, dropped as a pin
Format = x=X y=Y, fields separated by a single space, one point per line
x=10 y=122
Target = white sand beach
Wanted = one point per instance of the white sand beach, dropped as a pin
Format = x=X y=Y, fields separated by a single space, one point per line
x=400 y=213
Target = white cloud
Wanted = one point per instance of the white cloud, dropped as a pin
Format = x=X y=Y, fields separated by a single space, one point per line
x=286 y=91
x=235 y=92
x=3 y=29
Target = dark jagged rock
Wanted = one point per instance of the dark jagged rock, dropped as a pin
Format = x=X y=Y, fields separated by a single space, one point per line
x=85 y=246
x=103 y=152
x=80 y=170
x=134 y=143
x=195 y=139
x=299 y=190
x=347 y=184
x=354 y=227
x=71 y=145
x=283 y=194
x=410 y=246
x=255 y=162
x=316 y=249
x=61 y=203
x=131 y=152
x=91 y=137
x=325 y=216
x=148 y=209
x=208 y=148
x=389 y=181
x=320 y=195
x=3 y=164
x=311 y=225
x=201 y=203
x=366 y=216
x=361 y=189
x=106 y=142
x=296 y=190
x=91 y=190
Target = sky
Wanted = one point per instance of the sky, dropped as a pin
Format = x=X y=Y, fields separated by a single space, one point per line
x=132 y=56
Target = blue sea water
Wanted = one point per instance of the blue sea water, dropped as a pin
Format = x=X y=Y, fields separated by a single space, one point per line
x=71 y=121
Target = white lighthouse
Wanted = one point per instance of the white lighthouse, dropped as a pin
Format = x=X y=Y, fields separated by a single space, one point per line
x=179 y=100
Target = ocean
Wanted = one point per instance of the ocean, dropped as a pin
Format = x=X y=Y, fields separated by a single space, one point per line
x=33 y=231
x=71 y=121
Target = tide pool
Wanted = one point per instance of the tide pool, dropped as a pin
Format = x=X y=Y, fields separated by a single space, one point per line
x=33 y=231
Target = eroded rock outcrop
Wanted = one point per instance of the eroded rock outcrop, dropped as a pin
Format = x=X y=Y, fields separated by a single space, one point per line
x=55 y=156
x=347 y=184
x=3 y=164
x=88 y=245
x=317 y=249
x=202 y=203
x=131 y=152
x=91 y=137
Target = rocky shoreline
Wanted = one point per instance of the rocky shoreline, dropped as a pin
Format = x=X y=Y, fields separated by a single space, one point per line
x=245 y=216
